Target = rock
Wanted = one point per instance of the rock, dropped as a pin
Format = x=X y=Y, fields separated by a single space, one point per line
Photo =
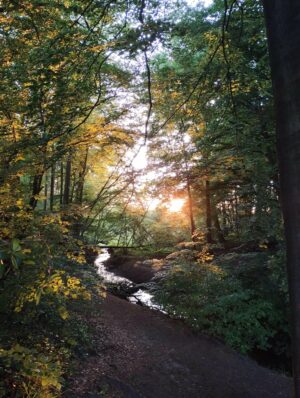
x=159 y=276
x=190 y=246
x=122 y=290
x=136 y=269
x=153 y=263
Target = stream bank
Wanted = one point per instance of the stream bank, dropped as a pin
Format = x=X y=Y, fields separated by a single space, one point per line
x=140 y=353
x=151 y=273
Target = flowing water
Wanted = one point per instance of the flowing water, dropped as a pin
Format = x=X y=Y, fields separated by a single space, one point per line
x=108 y=276
x=141 y=296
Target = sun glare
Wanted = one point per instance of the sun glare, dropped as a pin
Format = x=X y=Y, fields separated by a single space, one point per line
x=175 y=205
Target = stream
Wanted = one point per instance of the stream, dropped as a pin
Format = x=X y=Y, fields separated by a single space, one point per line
x=145 y=298
x=141 y=296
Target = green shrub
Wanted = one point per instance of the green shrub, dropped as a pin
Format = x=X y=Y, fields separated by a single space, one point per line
x=30 y=373
x=43 y=284
x=212 y=299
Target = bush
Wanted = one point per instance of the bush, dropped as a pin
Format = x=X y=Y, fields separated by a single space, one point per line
x=226 y=305
x=28 y=372
x=43 y=283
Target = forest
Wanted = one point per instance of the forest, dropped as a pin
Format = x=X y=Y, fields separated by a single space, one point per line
x=150 y=200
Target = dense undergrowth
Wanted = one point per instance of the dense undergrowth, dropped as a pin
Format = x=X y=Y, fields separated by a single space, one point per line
x=239 y=298
x=45 y=285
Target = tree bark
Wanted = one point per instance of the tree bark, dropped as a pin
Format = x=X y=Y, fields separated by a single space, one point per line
x=36 y=189
x=52 y=185
x=46 y=191
x=190 y=204
x=73 y=188
x=66 y=198
x=283 y=31
x=219 y=232
x=79 y=194
x=208 y=213
x=61 y=184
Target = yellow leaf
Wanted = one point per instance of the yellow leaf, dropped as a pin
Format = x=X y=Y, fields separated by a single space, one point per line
x=63 y=313
x=20 y=203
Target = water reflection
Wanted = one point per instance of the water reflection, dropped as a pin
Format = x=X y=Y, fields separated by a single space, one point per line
x=108 y=277
x=139 y=297
x=145 y=298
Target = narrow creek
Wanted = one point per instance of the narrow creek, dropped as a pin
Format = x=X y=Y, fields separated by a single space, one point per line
x=145 y=298
x=141 y=296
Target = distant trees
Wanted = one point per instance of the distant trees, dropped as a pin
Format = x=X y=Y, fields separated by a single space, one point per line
x=210 y=101
x=215 y=76
x=55 y=75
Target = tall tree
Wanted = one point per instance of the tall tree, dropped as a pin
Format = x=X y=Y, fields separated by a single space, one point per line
x=283 y=29
x=215 y=75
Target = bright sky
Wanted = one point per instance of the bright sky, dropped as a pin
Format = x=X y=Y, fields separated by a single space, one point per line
x=140 y=161
x=194 y=2
x=176 y=205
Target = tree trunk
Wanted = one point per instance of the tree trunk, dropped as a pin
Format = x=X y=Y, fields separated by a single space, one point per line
x=79 y=193
x=61 y=183
x=208 y=213
x=73 y=188
x=236 y=215
x=36 y=189
x=190 y=203
x=52 y=185
x=224 y=216
x=283 y=30
x=219 y=232
x=66 y=198
x=46 y=191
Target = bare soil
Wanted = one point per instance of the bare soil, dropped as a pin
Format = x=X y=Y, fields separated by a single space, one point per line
x=139 y=353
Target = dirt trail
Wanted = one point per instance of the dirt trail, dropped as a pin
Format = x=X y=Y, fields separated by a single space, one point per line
x=142 y=353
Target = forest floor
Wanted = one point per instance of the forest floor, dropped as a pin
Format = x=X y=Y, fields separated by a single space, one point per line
x=140 y=352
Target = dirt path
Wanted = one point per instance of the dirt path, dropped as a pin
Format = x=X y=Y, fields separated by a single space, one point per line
x=142 y=353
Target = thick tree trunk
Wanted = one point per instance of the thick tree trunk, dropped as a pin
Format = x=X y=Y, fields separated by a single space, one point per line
x=208 y=213
x=283 y=30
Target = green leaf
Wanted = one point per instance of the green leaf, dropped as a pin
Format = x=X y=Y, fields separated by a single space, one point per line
x=14 y=262
x=29 y=262
x=16 y=245
x=63 y=313
x=38 y=297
